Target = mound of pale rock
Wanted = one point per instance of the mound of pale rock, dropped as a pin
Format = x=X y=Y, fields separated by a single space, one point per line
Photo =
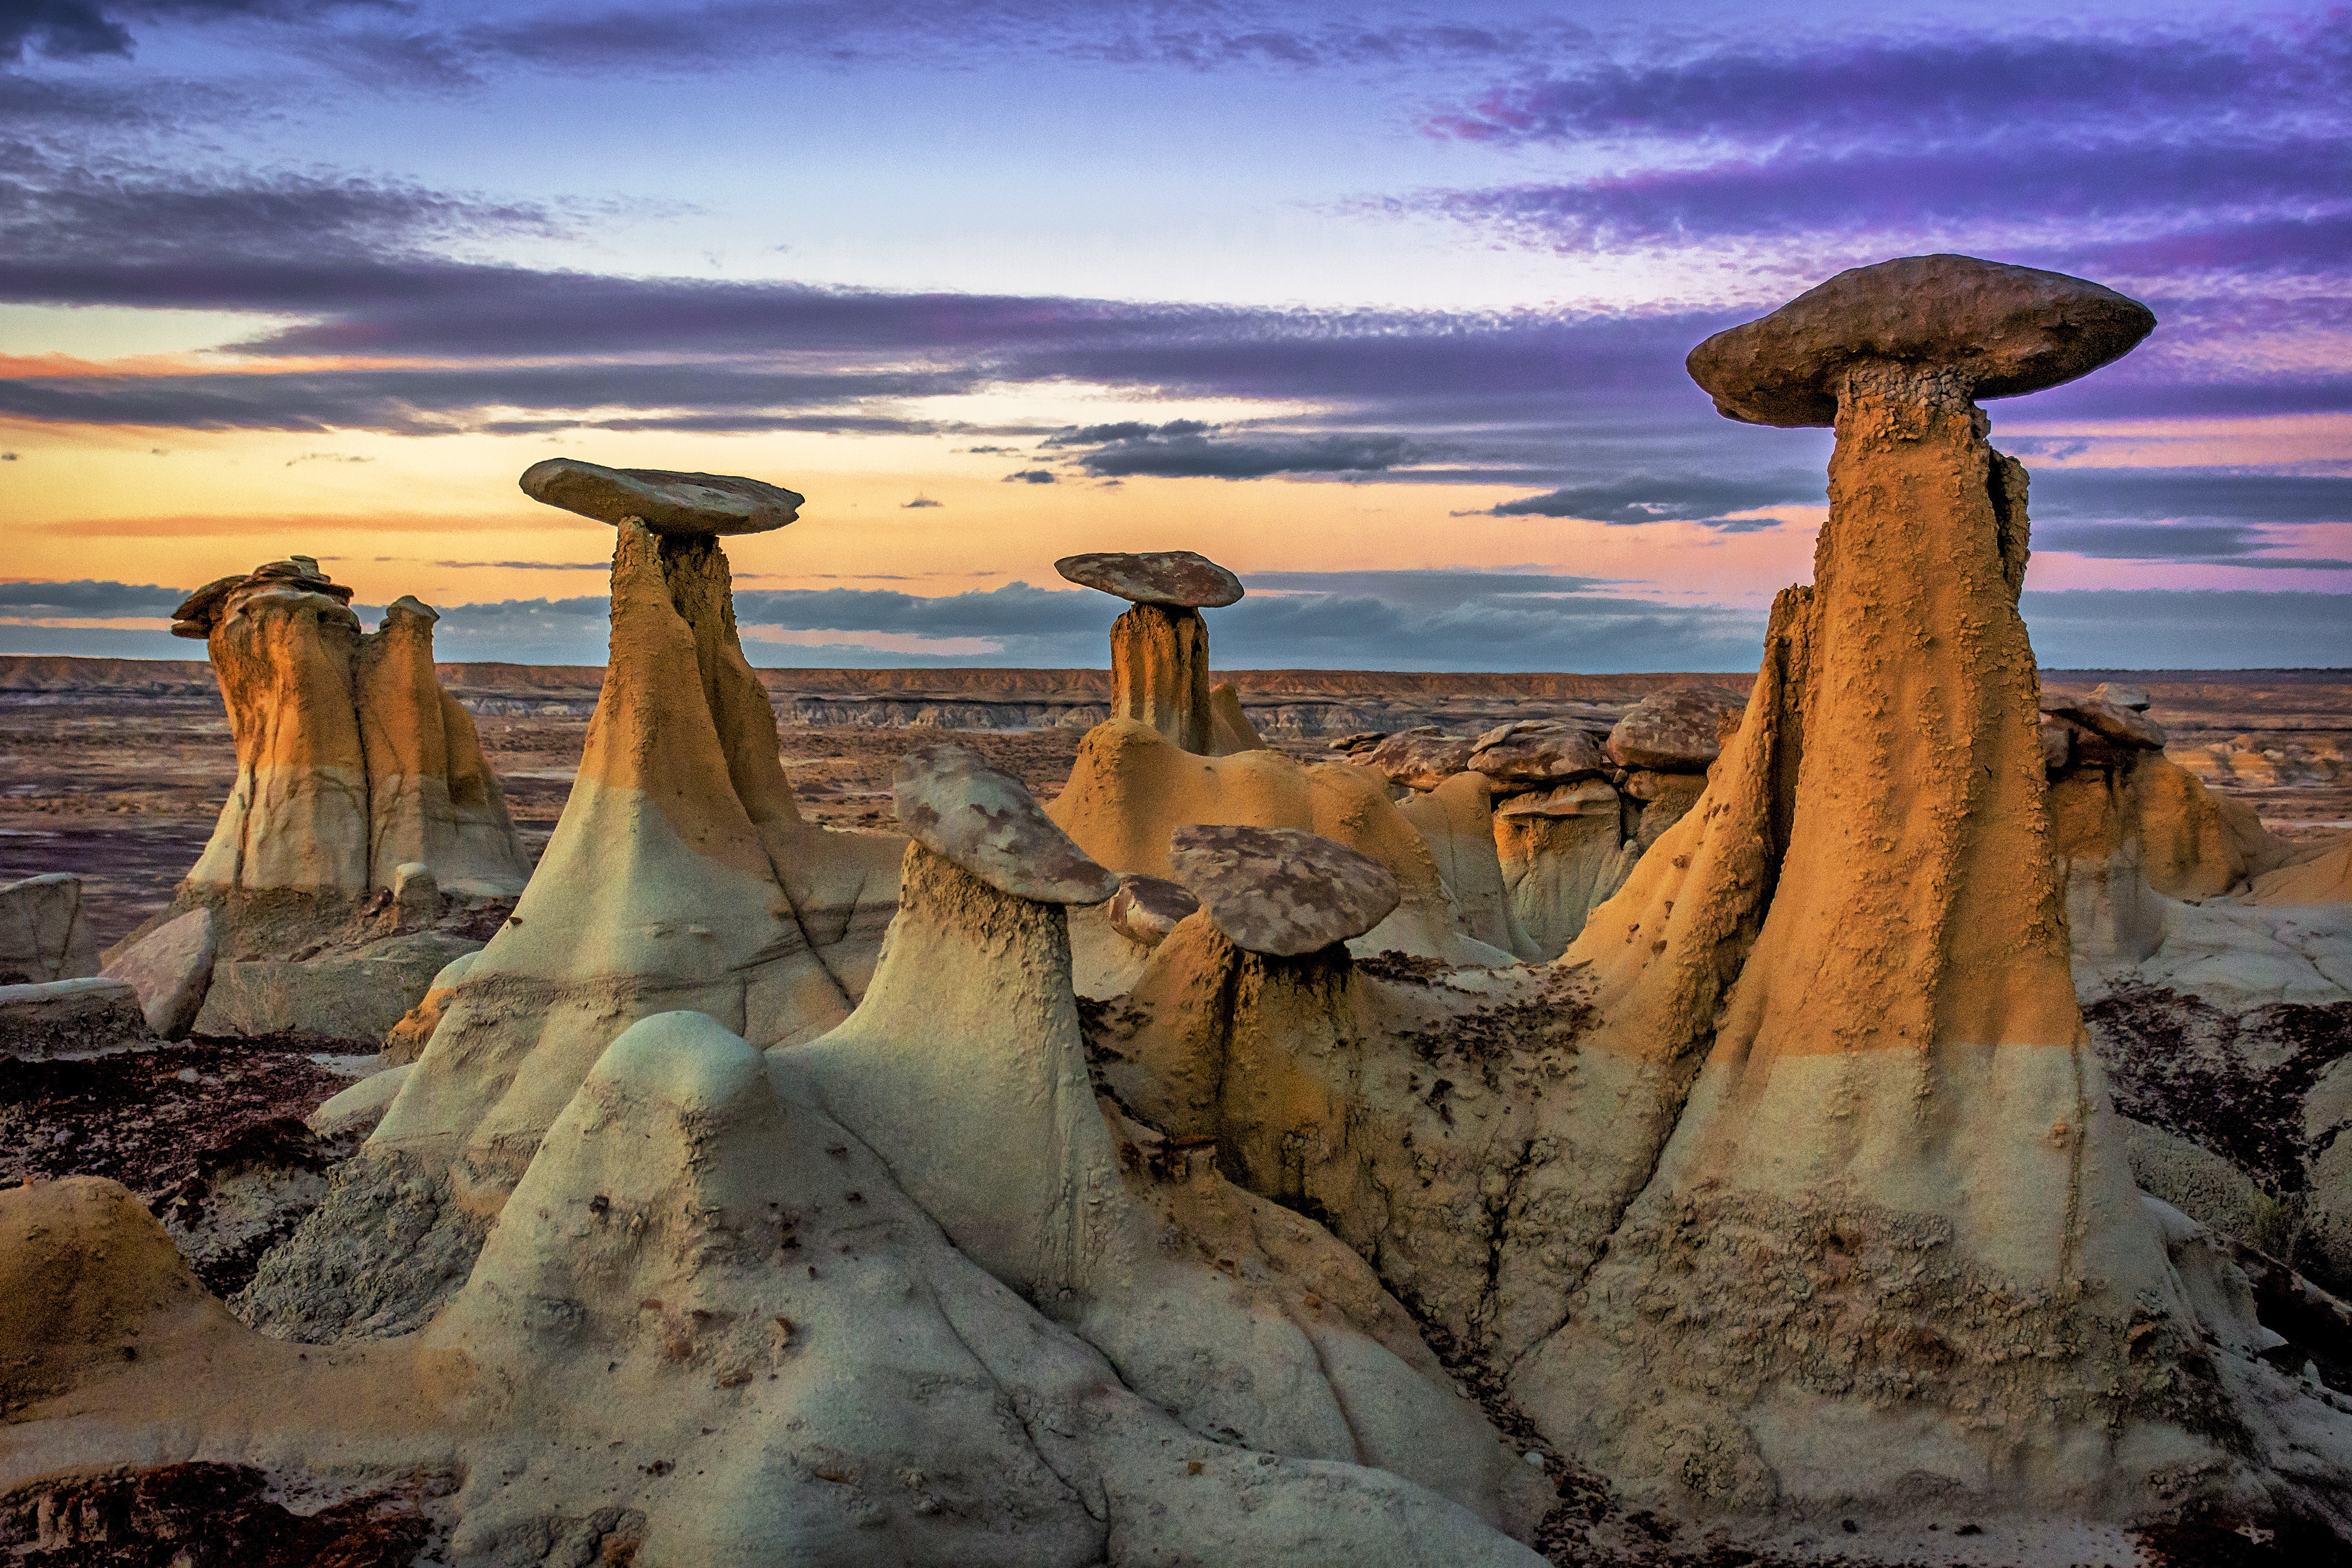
x=43 y=935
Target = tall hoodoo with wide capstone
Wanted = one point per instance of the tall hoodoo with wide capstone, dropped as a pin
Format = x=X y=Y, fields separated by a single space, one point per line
x=1160 y=648
x=1901 y=1058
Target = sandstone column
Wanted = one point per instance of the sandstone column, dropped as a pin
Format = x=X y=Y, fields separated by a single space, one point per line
x=1160 y=648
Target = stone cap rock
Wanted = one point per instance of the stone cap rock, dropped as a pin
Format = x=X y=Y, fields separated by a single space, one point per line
x=1679 y=730
x=956 y=805
x=1419 y=759
x=2124 y=726
x=2135 y=698
x=668 y=502
x=203 y=610
x=1146 y=909
x=1587 y=797
x=1537 y=750
x=1280 y=891
x=1176 y=577
x=2005 y=329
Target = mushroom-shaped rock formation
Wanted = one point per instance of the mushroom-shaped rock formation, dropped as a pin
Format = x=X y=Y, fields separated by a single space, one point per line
x=352 y=762
x=1901 y=1058
x=682 y=505
x=1160 y=648
x=712 y=1330
x=1130 y=788
x=680 y=875
x=1279 y=892
x=1976 y=329
x=952 y=803
x=1677 y=730
x=965 y=1070
x=1146 y=909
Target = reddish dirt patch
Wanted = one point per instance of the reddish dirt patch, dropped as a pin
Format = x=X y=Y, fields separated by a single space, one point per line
x=201 y=1516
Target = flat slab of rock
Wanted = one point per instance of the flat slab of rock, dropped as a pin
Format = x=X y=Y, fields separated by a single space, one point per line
x=2006 y=331
x=1176 y=577
x=2135 y=698
x=2124 y=726
x=1146 y=909
x=1280 y=891
x=171 y=968
x=354 y=996
x=1675 y=731
x=664 y=500
x=69 y=1017
x=1537 y=750
x=43 y=935
x=955 y=805
x=1590 y=797
x=1419 y=759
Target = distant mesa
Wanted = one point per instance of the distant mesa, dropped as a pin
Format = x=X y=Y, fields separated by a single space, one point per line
x=1998 y=330
x=1177 y=578
x=680 y=504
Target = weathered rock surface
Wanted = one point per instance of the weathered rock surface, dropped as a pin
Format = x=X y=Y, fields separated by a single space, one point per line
x=1279 y=892
x=1131 y=789
x=355 y=994
x=43 y=935
x=1146 y=909
x=956 y=805
x=171 y=968
x=1421 y=759
x=1998 y=330
x=1562 y=852
x=1180 y=579
x=69 y=1017
x=683 y=505
x=1545 y=751
x=1677 y=730
x=2114 y=721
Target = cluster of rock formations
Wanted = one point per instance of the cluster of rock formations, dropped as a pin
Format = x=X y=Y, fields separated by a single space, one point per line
x=365 y=842
x=1559 y=1135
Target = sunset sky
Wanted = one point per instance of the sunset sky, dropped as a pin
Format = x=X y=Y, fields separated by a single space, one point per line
x=1382 y=306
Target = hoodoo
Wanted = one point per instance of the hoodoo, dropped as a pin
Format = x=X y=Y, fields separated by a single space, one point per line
x=680 y=875
x=1160 y=648
x=1898 y=1106
x=364 y=822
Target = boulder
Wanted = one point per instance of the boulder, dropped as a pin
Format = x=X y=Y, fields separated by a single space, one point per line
x=1991 y=329
x=69 y=1017
x=1421 y=759
x=1279 y=892
x=2109 y=720
x=43 y=935
x=355 y=996
x=1537 y=752
x=681 y=505
x=1146 y=909
x=171 y=968
x=2135 y=698
x=1678 y=731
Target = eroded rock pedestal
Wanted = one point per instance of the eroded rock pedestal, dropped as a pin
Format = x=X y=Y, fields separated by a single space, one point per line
x=366 y=843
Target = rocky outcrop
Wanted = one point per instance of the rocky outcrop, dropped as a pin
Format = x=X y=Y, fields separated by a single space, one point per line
x=43 y=935
x=69 y=1017
x=365 y=842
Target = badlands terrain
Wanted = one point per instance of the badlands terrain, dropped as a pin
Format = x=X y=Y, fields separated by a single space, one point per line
x=1893 y=1107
